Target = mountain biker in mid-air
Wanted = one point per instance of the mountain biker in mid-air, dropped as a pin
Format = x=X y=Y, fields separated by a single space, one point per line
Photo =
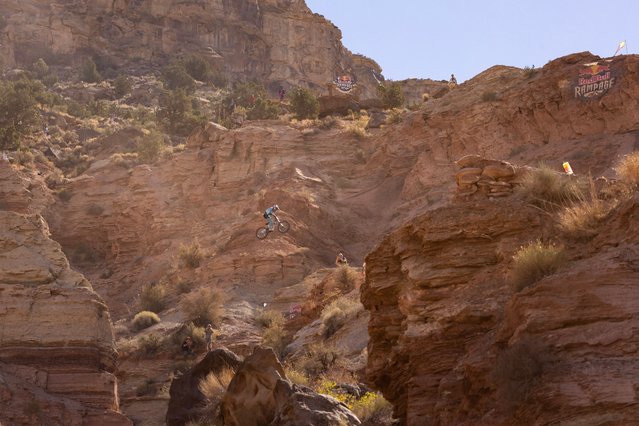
x=269 y=214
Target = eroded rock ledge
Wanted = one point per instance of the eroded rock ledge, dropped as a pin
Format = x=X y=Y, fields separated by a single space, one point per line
x=55 y=333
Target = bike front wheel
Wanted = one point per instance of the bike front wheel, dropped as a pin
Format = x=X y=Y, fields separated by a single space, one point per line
x=283 y=226
x=261 y=233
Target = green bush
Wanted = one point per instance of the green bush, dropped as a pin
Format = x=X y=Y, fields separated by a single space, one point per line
x=263 y=109
x=198 y=67
x=20 y=115
x=77 y=109
x=145 y=319
x=346 y=278
x=204 y=306
x=150 y=147
x=122 y=86
x=319 y=358
x=518 y=367
x=303 y=103
x=533 y=262
x=90 y=72
x=153 y=297
x=40 y=68
x=176 y=77
x=176 y=112
x=391 y=94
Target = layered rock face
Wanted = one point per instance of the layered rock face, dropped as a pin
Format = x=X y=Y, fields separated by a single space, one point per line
x=450 y=343
x=55 y=333
x=277 y=41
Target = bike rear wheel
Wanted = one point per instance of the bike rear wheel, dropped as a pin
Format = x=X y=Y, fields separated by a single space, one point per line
x=261 y=233
x=283 y=226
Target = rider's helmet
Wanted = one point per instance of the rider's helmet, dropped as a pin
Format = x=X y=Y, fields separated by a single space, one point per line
x=276 y=207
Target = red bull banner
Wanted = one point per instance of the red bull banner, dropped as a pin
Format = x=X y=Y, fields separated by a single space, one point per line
x=344 y=83
x=594 y=80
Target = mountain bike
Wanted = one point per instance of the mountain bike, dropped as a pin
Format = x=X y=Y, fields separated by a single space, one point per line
x=281 y=225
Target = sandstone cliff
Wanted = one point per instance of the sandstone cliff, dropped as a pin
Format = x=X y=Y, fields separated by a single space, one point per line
x=280 y=42
x=55 y=334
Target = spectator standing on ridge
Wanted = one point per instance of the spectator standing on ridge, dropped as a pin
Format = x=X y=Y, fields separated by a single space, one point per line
x=208 y=335
x=281 y=93
x=341 y=260
x=453 y=81
x=187 y=346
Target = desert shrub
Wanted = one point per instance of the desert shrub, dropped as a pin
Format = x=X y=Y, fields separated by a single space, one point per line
x=346 y=278
x=273 y=335
x=24 y=156
x=213 y=385
x=544 y=185
x=372 y=409
x=318 y=359
x=200 y=69
x=150 y=147
x=391 y=94
x=582 y=218
x=489 y=96
x=263 y=109
x=191 y=330
x=122 y=86
x=337 y=313
x=628 y=168
x=303 y=103
x=125 y=160
x=183 y=286
x=145 y=319
x=357 y=129
x=533 y=262
x=153 y=297
x=518 y=367
x=246 y=94
x=95 y=210
x=40 y=68
x=394 y=116
x=529 y=72
x=204 y=306
x=50 y=80
x=176 y=77
x=296 y=376
x=90 y=72
x=425 y=97
x=77 y=109
x=328 y=122
x=191 y=255
x=176 y=112
x=149 y=345
x=20 y=115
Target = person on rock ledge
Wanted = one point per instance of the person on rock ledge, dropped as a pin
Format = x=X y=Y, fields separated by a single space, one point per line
x=341 y=260
x=187 y=346
x=208 y=336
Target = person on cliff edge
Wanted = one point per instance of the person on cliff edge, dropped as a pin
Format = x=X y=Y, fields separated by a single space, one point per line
x=208 y=337
x=269 y=214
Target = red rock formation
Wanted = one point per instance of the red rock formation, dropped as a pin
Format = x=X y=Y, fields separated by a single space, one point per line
x=55 y=332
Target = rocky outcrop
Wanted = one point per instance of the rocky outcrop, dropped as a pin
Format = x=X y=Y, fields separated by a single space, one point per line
x=187 y=400
x=55 y=332
x=277 y=41
x=451 y=343
x=260 y=394
x=492 y=178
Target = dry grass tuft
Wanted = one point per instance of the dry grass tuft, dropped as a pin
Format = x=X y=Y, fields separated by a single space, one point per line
x=346 y=277
x=544 y=185
x=145 y=319
x=213 y=385
x=581 y=220
x=319 y=358
x=153 y=297
x=338 y=313
x=191 y=255
x=274 y=334
x=204 y=306
x=533 y=262
x=628 y=168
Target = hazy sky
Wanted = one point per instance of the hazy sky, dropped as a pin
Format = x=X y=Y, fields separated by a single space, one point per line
x=432 y=39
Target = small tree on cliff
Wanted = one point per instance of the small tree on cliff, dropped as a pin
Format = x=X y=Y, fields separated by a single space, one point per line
x=391 y=94
x=90 y=72
x=19 y=105
x=303 y=103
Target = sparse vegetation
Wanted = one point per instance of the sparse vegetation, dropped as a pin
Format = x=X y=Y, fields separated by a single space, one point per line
x=372 y=409
x=346 y=278
x=191 y=255
x=356 y=128
x=274 y=334
x=148 y=345
x=338 y=313
x=176 y=77
x=529 y=72
x=204 y=306
x=122 y=86
x=176 y=112
x=319 y=358
x=517 y=368
x=153 y=297
x=628 y=169
x=391 y=94
x=147 y=388
x=213 y=385
x=394 y=116
x=303 y=103
x=40 y=68
x=20 y=115
x=535 y=261
x=544 y=185
x=145 y=319
x=150 y=147
x=297 y=377
x=581 y=219
x=90 y=72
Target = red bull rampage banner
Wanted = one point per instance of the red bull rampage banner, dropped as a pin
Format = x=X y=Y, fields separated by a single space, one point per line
x=594 y=80
x=344 y=83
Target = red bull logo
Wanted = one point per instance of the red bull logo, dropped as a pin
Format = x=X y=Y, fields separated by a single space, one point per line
x=344 y=83
x=594 y=80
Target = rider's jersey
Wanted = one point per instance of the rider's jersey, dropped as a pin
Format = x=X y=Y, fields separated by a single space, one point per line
x=268 y=211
